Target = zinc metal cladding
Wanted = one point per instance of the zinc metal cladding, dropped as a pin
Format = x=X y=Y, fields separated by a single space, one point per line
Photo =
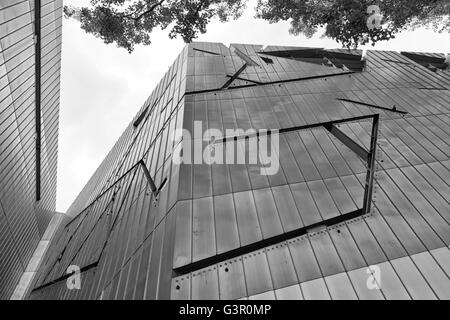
x=23 y=220
x=130 y=245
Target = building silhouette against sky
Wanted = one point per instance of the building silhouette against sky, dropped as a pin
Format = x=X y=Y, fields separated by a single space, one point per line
x=358 y=208
x=30 y=56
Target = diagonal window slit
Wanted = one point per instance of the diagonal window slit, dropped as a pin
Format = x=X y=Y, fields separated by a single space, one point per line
x=66 y=276
x=140 y=118
x=206 y=51
x=155 y=191
x=432 y=88
x=245 y=79
x=234 y=76
x=268 y=83
x=393 y=109
x=192 y=267
x=266 y=60
x=347 y=141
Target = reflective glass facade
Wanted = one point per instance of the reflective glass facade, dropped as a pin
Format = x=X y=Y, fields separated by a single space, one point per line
x=30 y=55
x=311 y=230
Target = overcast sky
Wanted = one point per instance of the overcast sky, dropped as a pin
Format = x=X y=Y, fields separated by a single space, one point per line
x=102 y=86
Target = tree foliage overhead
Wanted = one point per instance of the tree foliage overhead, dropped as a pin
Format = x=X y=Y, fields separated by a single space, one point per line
x=346 y=21
x=131 y=22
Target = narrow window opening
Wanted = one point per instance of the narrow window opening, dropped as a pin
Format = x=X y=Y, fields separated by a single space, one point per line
x=248 y=61
x=165 y=107
x=234 y=77
x=206 y=51
x=393 y=109
x=141 y=117
x=267 y=60
x=163 y=184
x=432 y=63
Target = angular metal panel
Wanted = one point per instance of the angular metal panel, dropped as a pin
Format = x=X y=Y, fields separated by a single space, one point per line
x=205 y=284
x=281 y=266
x=289 y=293
x=227 y=234
x=412 y=279
x=247 y=219
x=232 y=279
x=257 y=273
x=203 y=230
x=340 y=287
x=315 y=290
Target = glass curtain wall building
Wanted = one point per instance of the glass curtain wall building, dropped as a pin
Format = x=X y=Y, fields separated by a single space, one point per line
x=30 y=55
x=358 y=208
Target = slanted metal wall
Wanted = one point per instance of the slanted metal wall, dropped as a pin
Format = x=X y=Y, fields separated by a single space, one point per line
x=198 y=239
x=24 y=94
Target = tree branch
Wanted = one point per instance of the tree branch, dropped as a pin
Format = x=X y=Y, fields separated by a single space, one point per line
x=151 y=9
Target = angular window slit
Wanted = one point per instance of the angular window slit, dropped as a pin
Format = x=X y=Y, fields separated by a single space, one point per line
x=206 y=51
x=432 y=63
x=165 y=107
x=163 y=184
x=432 y=88
x=341 y=60
x=266 y=60
x=245 y=79
x=66 y=276
x=269 y=83
x=149 y=178
x=248 y=61
x=393 y=109
x=141 y=117
x=348 y=142
x=234 y=77
x=233 y=254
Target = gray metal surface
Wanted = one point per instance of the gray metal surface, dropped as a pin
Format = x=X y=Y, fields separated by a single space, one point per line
x=225 y=214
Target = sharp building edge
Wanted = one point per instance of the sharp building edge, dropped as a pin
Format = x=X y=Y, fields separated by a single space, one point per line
x=357 y=210
x=30 y=56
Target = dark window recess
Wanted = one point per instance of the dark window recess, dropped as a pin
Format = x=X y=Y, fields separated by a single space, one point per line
x=430 y=62
x=266 y=60
x=140 y=118
x=162 y=94
x=342 y=60
x=367 y=156
x=432 y=88
x=206 y=51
